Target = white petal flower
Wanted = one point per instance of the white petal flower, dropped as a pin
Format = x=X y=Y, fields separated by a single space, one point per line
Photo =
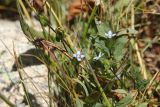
x=110 y=34
x=78 y=56
x=99 y=56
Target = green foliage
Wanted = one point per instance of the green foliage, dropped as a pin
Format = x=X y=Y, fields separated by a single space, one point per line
x=142 y=105
x=109 y=64
x=120 y=91
x=125 y=101
x=141 y=84
x=119 y=48
x=44 y=20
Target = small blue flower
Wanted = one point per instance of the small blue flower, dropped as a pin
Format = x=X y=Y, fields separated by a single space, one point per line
x=99 y=56
x=110 y=34
x=78 y=56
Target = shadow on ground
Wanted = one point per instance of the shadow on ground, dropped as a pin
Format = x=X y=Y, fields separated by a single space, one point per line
x=28 y=58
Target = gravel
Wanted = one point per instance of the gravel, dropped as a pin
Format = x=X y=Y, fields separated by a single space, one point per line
x=12 y=37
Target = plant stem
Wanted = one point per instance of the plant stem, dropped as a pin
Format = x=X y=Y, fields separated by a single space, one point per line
x=60 y=25
x=89 y=21
x=54 y=14
x=106 y=101
x=6 y=100
x=25 y=11
x=22 y=82
x=135 y=45
x=150 y=83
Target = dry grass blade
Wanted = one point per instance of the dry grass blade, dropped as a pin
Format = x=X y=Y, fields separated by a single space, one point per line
x=3 y=97
x=82 y=7
x=49 y=46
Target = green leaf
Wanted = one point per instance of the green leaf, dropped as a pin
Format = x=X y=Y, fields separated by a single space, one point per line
x=141 y=84
x=119 y=48
x=121 y=91
x=135 y=73
x=103 y=28
x=126 y=31
x=44 y=20
x=100 y=44
x=30 y=32
x=98 y=105
x=79 y=103
x=93 y=97
x=125 y=101
x=132 y=31
x=142 y=105
x=83 y=85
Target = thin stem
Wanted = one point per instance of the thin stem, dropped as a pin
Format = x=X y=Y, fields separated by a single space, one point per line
x=6 y=100
x=25 y=11
x=60 y=25
x=89 y=21
x=106 y=101
x=150 y=83
x=22 y=82
x=135 y=45
x=50 y=76
x=56 y=17
x=50 y=87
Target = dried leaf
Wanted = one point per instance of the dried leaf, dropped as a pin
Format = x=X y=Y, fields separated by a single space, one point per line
x=37 y=4
x=82 y=6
